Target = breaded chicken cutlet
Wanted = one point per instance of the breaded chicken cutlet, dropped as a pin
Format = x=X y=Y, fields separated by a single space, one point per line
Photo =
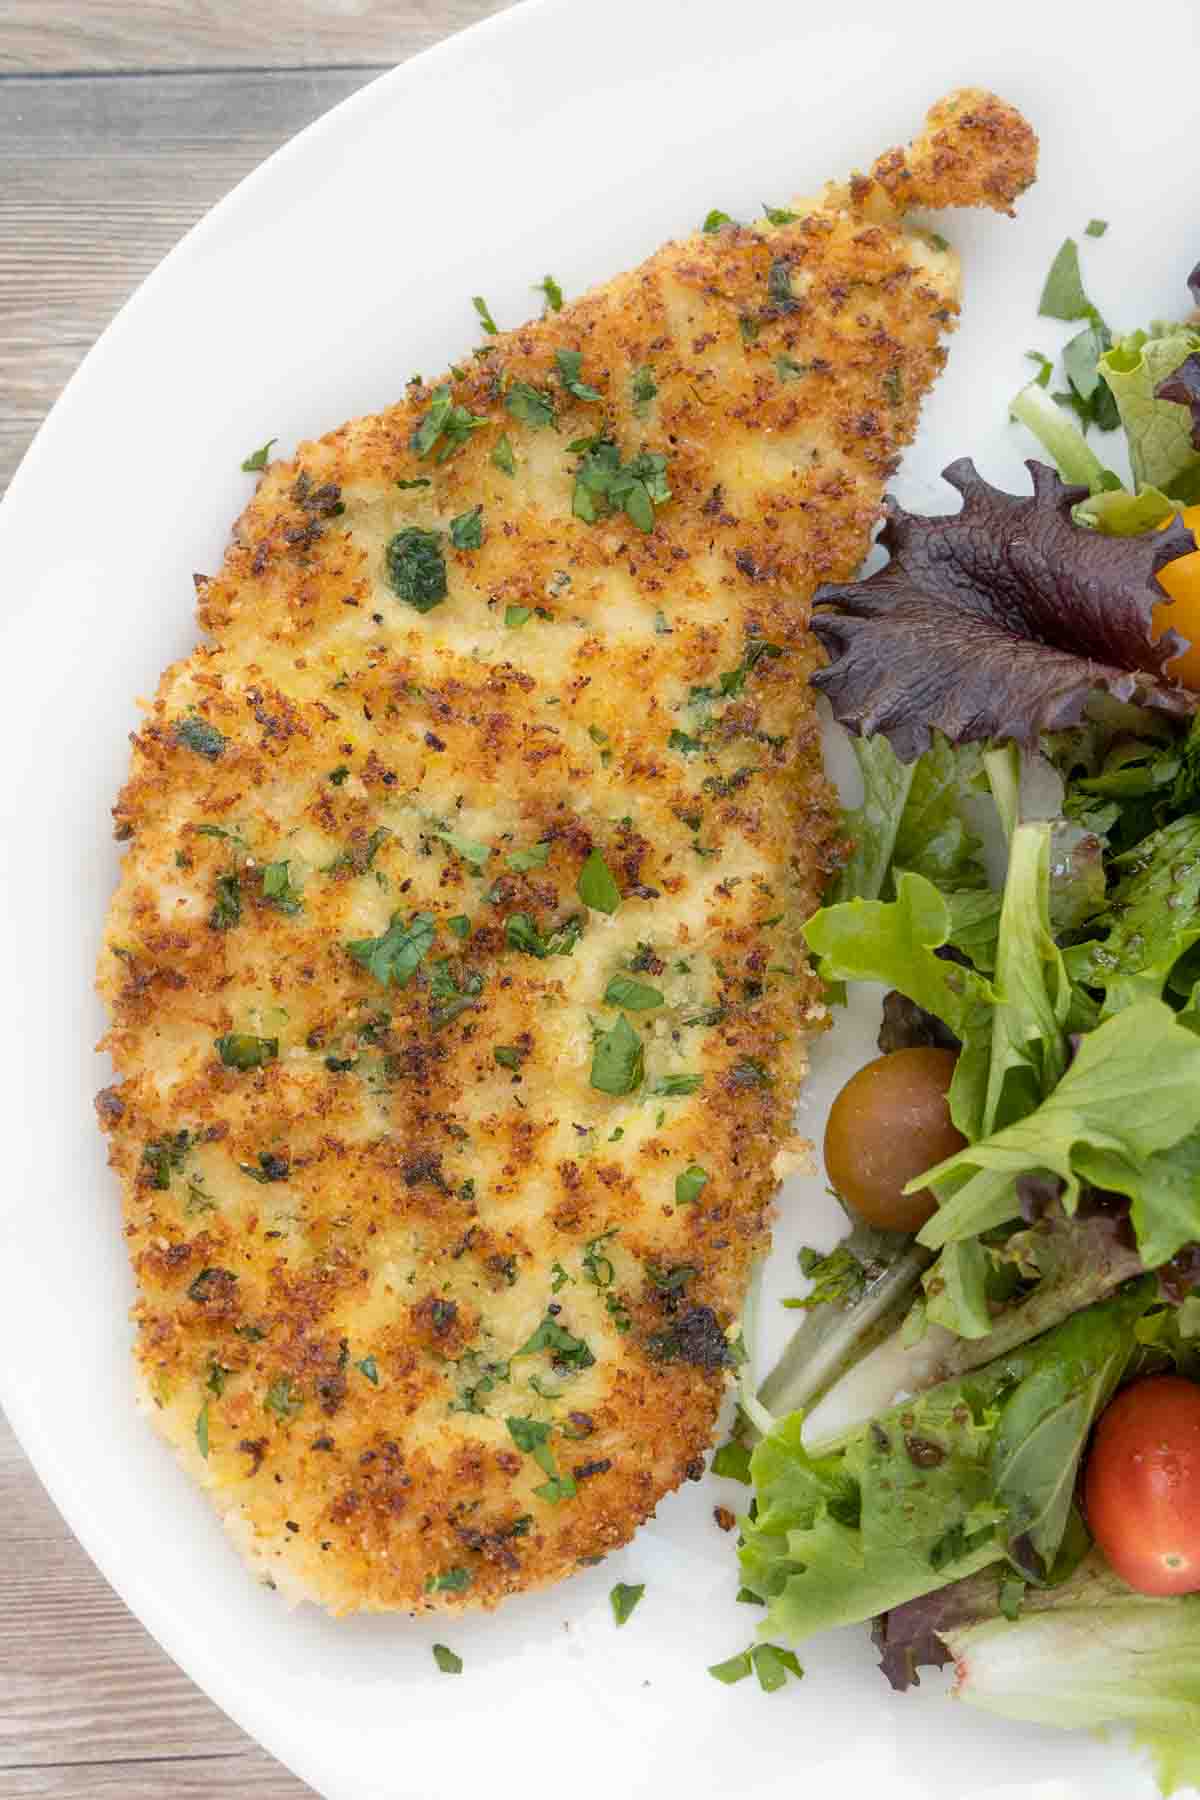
x=458 y=1000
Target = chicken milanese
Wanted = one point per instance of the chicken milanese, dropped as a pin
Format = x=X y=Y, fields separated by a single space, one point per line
x=458 y=1001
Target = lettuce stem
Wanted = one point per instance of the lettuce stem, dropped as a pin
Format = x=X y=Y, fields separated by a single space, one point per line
x=1056 y=434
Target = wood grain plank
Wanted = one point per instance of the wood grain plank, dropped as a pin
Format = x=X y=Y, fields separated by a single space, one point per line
x=27 y=1513
x=56 y=36
x=102 y=178
x=254 y=1774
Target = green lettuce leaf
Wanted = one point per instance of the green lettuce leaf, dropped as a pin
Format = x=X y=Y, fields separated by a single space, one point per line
x=911 y=817
x=1029 y=1045
x=1153 y=918
x=1091 y=1652
x=1132 y=1091
x=894 y=942
x=937 y=1486
x=956 y=1290
x=1118 y=513
x=1159 y=432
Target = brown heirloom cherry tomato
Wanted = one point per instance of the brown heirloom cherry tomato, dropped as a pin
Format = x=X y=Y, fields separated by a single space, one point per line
x=888 y=1125
x=1142 y=1485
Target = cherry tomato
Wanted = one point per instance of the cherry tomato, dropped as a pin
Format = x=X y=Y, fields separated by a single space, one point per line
x=1181 y=579
x=888 y=1125
x=1142 y=1485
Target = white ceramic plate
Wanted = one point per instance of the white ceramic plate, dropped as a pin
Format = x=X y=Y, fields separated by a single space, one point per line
x=571 y=137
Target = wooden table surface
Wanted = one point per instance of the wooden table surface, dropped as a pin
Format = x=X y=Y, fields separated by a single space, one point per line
x=121 y=122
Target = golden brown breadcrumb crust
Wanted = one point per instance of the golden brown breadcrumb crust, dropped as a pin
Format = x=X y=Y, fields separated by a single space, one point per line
x=432 y=1315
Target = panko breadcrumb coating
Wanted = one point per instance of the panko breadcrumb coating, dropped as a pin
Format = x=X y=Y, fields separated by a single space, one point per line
x=458 y=1000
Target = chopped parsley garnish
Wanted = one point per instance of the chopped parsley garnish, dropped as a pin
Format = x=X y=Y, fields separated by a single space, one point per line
x=418 y=481
x=618 y=1060
x=522 y=934
x=597 y=1266
x=1096 y=227
x=270 y=1167
x=396 y=956
x=257 y=459
x=634 y=996
x=788 y=369
x=624 y=1597
x=198 y=735
x=241 y=1050
x=561 y=1278
x=673 y=1280
x=643 y=391
x=568 y=1352
x=778 y=215
x=736 y=1669
x=570 y=370
x=450 y=1581
x=769 y=1662
x=690 y=1185
x=515 y=616
x=838 y=1279
x=714 y=220
x=531 y=1436
x=446 y=1660
x=485 y=315
x=502 y=455
x=202 y=1416
x=338 y=776
x=603 y=484
x=685 y=745
x=370 y=1368
x=508 y=1056
x=732 y=1461
x=596 y=887
x=208 y=1282
x=529 y=405
x=446 y=423
x=416 y=567
x=732 y=681
x=471 y=852
x=282 y=1399
x=552 y=291
x=535 y=857
x=677 y=1084
x=227 y=908
x=451 y=997
x=163 y=1156
x=466 y=531
x=1063 y=296
x=277 y=886
x=460 y=925
x=1045 y=367
x=749 y=1073
x=749 y=328
x=618 y=1312
x=779 y=285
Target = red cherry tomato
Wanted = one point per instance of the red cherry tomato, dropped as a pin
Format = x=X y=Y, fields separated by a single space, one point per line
x=1142 y=1485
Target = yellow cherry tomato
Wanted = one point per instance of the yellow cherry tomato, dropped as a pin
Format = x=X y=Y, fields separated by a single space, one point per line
x=1181 y=579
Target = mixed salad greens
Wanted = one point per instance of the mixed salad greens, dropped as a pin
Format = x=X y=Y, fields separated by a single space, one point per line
x=1023 y=878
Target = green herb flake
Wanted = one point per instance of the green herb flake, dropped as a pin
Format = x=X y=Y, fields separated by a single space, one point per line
x=474 y=854
x=561 y=1278
x=446 y=1660
x=732 y=1463
x=241 y=1050
x=445 y=424
x=502 y=455
x=569 y=364
x=749 y=1073
x=643 y=391
x=634 y=996
x=690 y=1185
x=678 y=1084
x=788 y=369
x=163 y=1156
x=1096 y=228
x=1063 y=296
x=567 y=1351
x=466 y=530
x=396 y=956
x=530 y=406
x=624 y=1598
x=418 y=481
x=553 y=293
x=1045 y=368
x=282 y=1399
x=778 y=215
x=596 y=887
x=516 y=616
x=618 y=1063
x=202 y=1421
x=736 y=1669
x=277 y=887
x=227 y=907
x=485 y=315
x=508 y=1056
x=198 y=735
x=257 y=459
x=370 y=1368
x=536 y=857
x=460 y=925
x=337 y=776
x=714 y=220
x=685 y=745
x=416 y=568
x=773 y=1665
x=450 y=1581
